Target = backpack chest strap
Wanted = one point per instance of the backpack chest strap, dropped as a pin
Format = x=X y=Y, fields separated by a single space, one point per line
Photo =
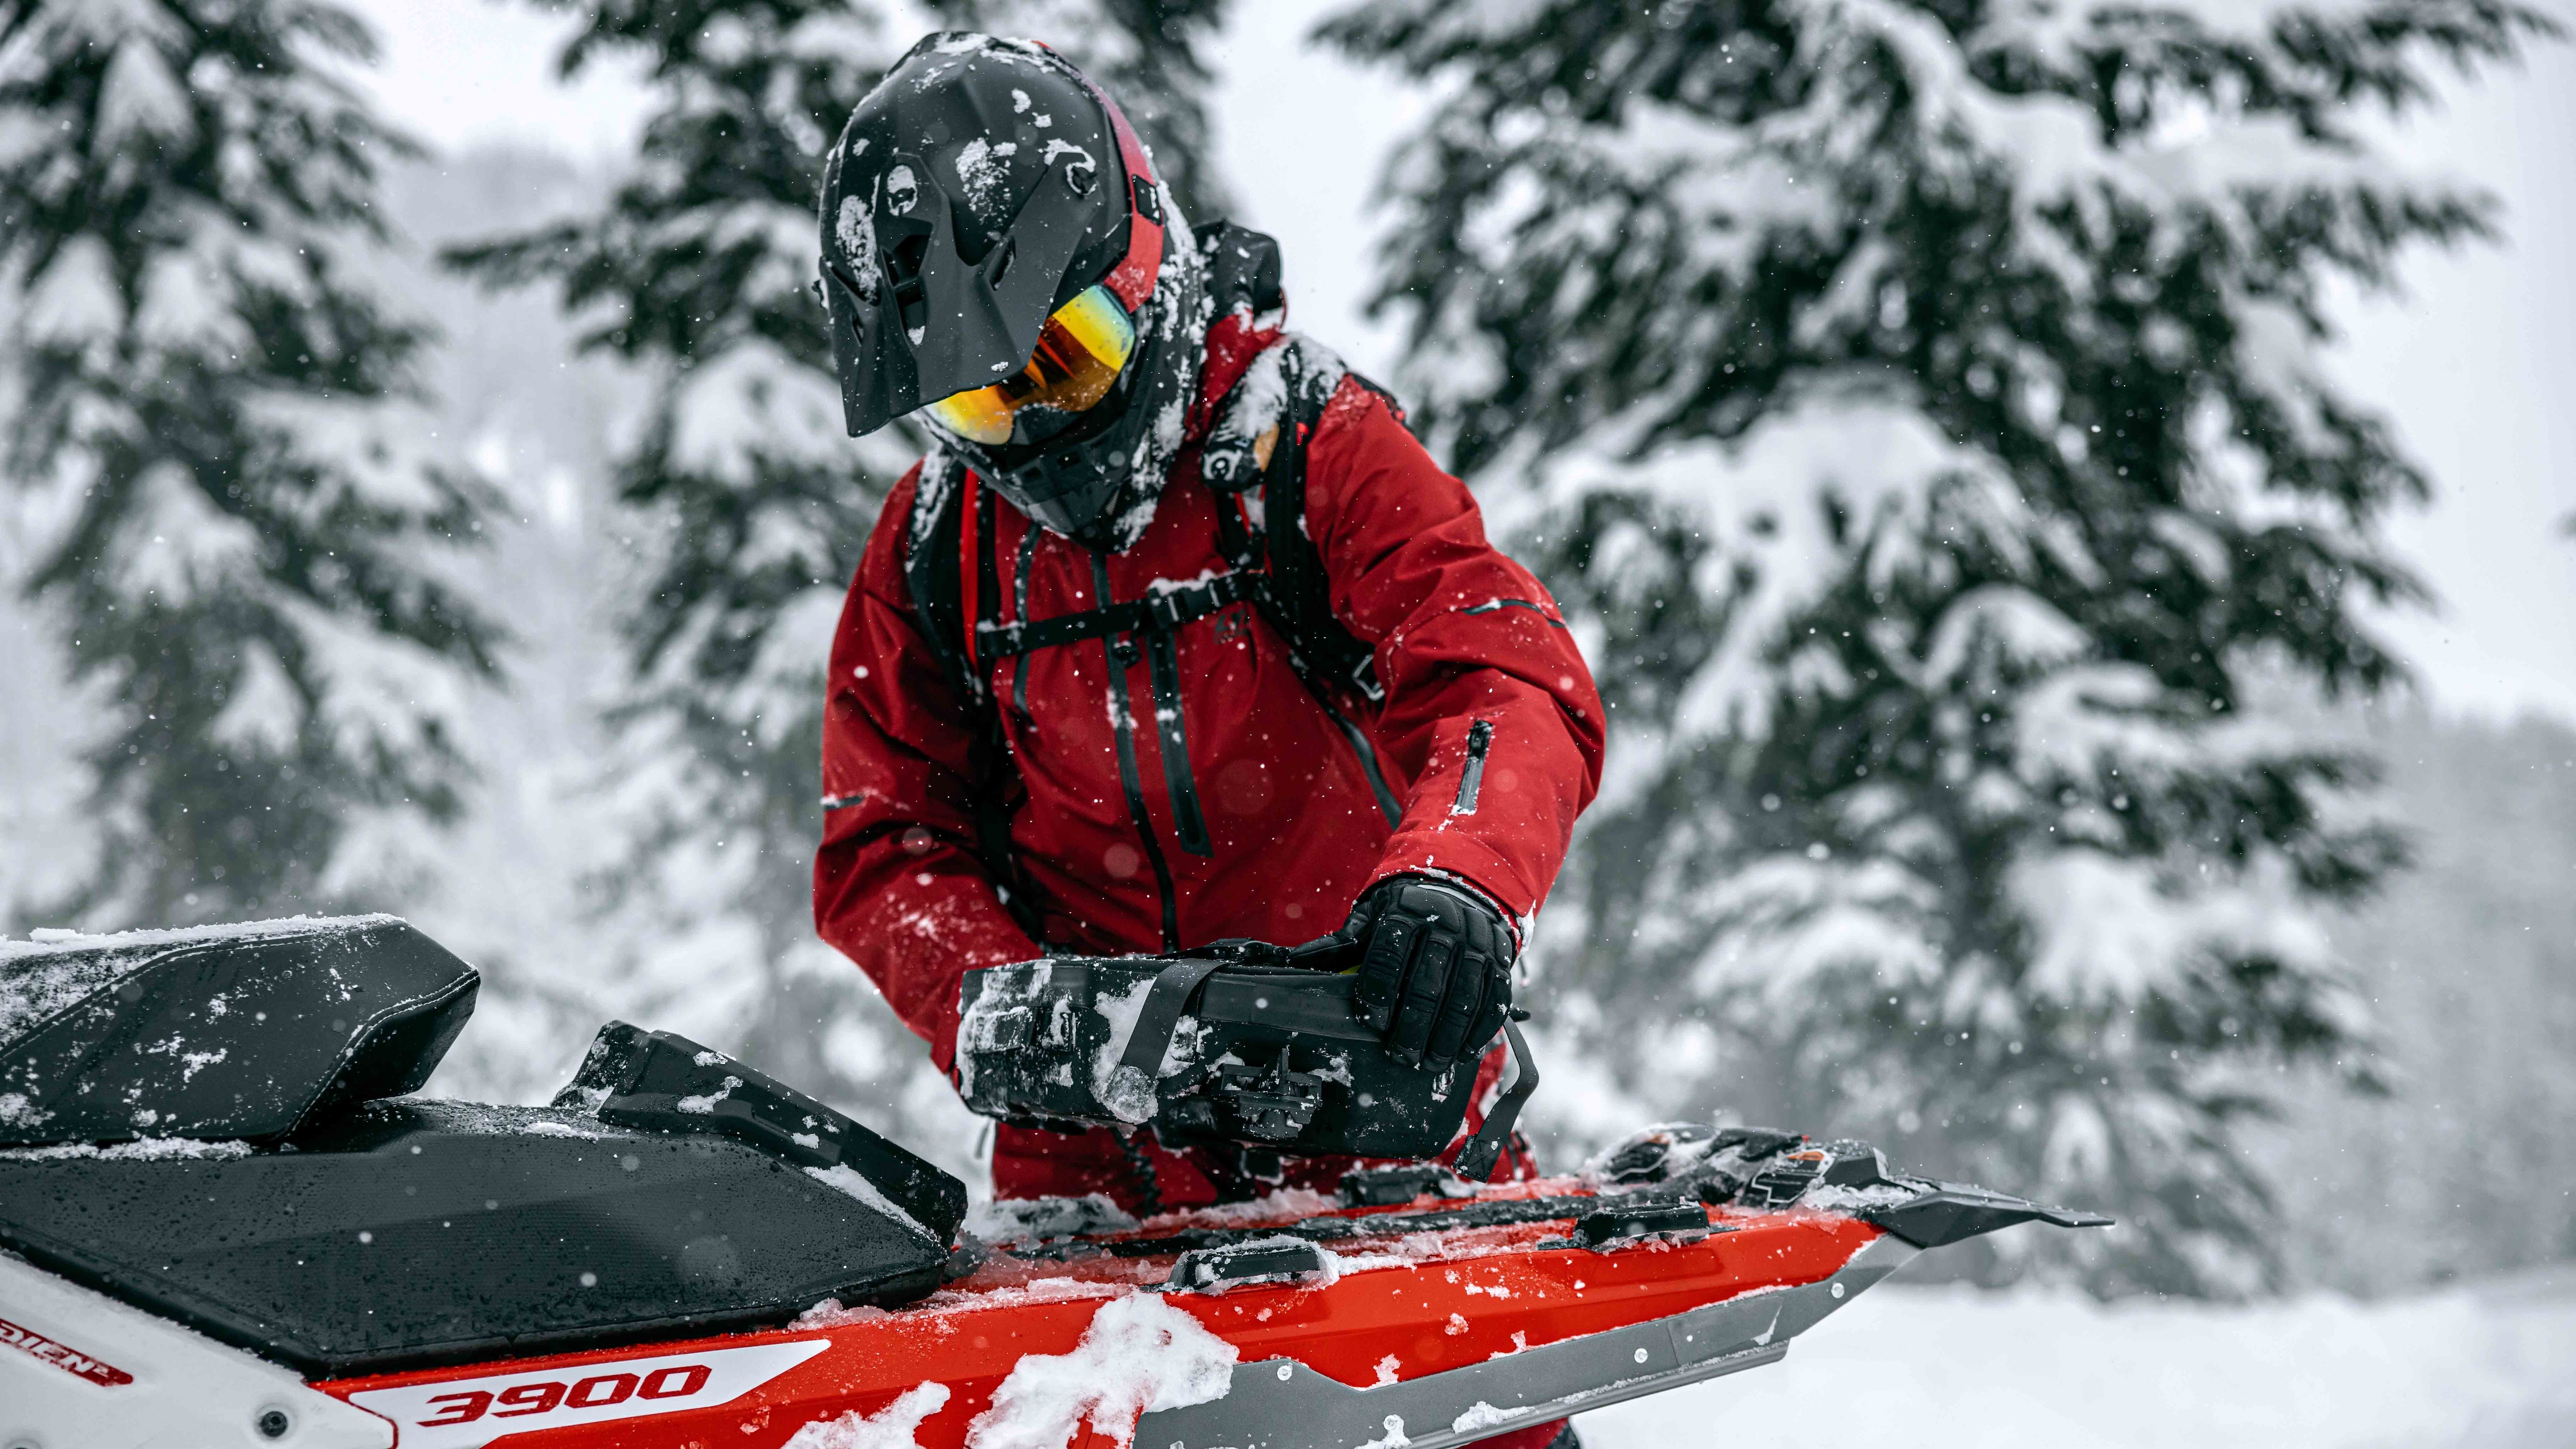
x=1163 y=611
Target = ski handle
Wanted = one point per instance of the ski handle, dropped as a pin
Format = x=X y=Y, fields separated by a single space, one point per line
x=1179 y=985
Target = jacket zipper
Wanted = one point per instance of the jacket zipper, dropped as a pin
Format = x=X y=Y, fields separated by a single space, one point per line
x=1120 y=651
x=1471 y=780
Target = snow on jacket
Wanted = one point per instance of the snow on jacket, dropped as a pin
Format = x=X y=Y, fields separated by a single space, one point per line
x=1294 y=830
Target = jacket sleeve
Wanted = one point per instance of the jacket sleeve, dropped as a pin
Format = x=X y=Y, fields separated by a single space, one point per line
x=898 y=887
x=1469 y=649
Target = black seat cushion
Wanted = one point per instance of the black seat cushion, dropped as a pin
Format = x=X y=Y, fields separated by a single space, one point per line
x=414 y=1232
x=232 y=1032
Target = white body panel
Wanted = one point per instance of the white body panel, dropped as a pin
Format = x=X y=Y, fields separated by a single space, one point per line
x=186 y=1391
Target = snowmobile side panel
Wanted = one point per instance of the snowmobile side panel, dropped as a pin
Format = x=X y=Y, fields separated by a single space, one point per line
x=421 y=1232
x=235 y=1033
x=81 y=1371
x=1492 y=1327
x=1297 y=1409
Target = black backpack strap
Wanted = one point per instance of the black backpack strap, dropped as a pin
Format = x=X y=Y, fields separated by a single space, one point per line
x=1300 y=592
x=932 y=574
x=1161 y=612
x=1291 y=586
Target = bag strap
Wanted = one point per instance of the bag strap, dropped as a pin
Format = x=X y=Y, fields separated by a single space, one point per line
x=1297 y=595
x=1484 y=1151
x=1160 y=612
x=1165 y=1003
x=934 y=571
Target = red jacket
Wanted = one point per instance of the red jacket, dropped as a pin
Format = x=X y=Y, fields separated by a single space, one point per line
x=1293 y=828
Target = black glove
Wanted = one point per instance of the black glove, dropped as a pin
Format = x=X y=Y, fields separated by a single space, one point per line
x=1435 y=972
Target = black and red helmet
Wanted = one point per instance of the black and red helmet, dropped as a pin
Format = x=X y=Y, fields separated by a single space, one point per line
x=997 y=249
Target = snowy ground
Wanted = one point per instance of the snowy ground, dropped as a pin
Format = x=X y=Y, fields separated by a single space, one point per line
x=2491 y=1366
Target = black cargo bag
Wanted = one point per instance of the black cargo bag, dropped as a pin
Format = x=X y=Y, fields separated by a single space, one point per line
x=1230 y=1045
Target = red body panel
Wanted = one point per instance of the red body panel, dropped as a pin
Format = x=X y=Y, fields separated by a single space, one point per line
x=1429 y=1304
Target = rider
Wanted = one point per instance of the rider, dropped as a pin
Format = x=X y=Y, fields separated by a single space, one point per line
x=1065 y=713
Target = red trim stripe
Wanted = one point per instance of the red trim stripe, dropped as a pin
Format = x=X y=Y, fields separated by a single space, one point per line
x=970 y=580
x=1132 y=280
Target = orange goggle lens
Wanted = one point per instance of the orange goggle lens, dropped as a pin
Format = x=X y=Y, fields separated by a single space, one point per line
x=1080 y=353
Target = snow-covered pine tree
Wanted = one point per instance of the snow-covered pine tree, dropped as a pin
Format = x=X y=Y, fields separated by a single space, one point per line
x=232 y=502
x=753 y=506
x=1918 y=401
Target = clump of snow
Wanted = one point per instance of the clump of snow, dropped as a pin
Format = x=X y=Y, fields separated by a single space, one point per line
x=1124 y=1090
x=830 y=1314
x=61 y=940
x=55 y=968
x=983 y=170
x=556 y=1129
x=1284 y=1203
x=1036 y=1290
x=705 y=1106
x=1480 y=1415
x=142 y=1149
x=1007 y=991
x=1035 y=1219
x=857 y=232
x=1140 y=1354
x=1649 y=1156
x=1836 y=1198
x=892 y=1427
x=845 y=1179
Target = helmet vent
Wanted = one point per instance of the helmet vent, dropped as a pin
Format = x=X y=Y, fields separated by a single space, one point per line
x=903 y=268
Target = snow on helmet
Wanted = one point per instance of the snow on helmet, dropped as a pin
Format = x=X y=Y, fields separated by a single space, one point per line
x=998 y=251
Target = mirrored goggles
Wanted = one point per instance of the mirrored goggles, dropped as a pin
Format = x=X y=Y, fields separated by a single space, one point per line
x=1080 y=353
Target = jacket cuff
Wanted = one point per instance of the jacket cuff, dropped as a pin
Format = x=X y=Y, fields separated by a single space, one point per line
x=1466 y=862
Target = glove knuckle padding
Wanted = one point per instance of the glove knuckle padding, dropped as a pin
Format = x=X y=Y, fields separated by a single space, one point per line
x=1463 y=1004
x=1382 y=969
x=1418 y=1016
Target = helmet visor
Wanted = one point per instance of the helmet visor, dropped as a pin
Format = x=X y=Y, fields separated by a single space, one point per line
x=1080 y=352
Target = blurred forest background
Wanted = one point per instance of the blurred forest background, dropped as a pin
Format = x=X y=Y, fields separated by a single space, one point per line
x=1931 y=410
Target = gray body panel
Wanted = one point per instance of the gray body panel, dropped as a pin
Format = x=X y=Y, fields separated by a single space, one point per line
x=1282 y=1404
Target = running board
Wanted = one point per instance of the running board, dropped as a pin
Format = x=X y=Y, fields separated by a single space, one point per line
x=1297 y=1408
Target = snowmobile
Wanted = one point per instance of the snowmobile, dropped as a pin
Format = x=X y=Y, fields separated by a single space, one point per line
x=226 y=1221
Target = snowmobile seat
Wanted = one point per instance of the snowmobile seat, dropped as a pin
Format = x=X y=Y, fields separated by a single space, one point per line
x=399 y=1234
x=219 y=1033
